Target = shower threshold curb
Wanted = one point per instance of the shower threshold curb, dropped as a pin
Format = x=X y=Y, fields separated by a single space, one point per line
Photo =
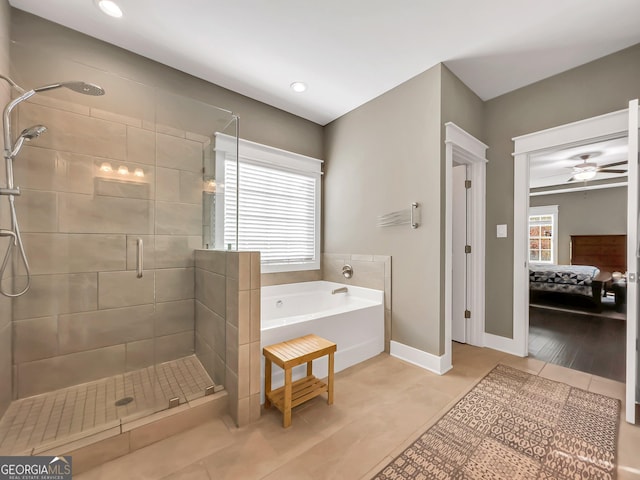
x=131 y=434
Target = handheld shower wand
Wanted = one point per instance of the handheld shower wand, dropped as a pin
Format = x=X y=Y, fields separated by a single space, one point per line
x=11 y=150
x=27 y=135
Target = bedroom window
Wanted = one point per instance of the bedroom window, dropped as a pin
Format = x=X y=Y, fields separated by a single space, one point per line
x=543 y=234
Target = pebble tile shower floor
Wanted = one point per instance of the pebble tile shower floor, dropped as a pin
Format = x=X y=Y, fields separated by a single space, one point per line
x=73 y=412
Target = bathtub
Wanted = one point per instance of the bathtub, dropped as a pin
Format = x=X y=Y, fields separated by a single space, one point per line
x=353 y=320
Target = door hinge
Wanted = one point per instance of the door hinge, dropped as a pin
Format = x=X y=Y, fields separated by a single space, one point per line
x=467 y=184
x=467 y=249
x=467 y=314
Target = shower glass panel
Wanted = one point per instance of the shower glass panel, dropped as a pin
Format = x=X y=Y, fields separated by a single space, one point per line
x=111 y=203
x=220 y=223
x=186 y=133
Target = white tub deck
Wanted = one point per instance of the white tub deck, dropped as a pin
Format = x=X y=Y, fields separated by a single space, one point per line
x=353 y=320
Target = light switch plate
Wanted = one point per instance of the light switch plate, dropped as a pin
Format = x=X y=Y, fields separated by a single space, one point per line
x=501 y=231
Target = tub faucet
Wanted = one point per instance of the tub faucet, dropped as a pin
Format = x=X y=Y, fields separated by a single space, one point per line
x=339 y=290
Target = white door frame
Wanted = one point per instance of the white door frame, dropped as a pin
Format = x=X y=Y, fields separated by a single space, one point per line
x=632 y=253
x=463 y=148
x=608 y=126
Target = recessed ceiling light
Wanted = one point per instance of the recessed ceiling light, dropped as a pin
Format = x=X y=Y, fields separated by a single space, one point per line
x=298 y=87
x=110 y=7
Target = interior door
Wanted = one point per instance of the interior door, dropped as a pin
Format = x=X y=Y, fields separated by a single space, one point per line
x=459 y=261
x=633 y=254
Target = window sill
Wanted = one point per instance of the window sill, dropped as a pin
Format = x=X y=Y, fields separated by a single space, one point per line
x=290 y=267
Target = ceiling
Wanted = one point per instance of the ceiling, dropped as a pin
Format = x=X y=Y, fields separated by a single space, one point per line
x=350 y=51
x=555 y=168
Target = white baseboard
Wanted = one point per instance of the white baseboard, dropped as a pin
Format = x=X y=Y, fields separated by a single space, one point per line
x=422 y=359
x=502 y=344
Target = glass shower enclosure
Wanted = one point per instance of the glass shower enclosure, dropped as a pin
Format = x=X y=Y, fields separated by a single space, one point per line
x=115 y=199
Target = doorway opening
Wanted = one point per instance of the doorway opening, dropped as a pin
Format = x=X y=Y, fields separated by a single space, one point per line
x=577 y=257
x=465 y=284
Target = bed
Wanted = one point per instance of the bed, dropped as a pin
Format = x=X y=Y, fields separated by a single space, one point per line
x=607 y=252
x=576 y=280
x=593 y=258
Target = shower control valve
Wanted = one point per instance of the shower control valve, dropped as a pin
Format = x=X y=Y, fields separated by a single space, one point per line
x=347 y=271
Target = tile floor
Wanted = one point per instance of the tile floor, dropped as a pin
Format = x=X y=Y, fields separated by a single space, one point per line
x=380 y=407
x=85 y=409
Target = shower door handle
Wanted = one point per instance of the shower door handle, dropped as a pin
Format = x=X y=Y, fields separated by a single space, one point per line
x=139 y=257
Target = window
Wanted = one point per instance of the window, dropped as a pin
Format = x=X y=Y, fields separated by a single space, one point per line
x=279 y=206
x=543 y=234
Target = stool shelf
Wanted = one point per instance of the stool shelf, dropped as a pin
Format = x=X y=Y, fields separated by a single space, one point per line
x=301 y=390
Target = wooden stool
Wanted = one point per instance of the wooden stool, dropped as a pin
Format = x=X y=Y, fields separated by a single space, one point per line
x=290 y=354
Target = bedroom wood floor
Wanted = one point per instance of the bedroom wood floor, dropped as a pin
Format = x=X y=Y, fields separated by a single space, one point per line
x=578 y=341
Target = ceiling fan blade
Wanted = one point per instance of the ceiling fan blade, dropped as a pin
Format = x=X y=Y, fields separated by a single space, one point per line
x=611 y=171
x=615 y=164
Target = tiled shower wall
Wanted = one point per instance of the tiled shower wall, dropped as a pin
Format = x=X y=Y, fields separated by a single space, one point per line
x=210 y=311
x=5 y=303
x=228 y=307
x=86 y=315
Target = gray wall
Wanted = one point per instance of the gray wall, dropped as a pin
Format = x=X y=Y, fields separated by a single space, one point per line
x=461 y=106
x=381 y=157
x=591 y=212
x=6 y=383
x=599 y=87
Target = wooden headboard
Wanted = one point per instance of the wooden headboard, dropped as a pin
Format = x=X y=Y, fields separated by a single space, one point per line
x=607 y=252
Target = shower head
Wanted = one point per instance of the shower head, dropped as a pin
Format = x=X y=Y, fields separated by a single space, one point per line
x=79 y=87
x=27 y=135
x=33 y=132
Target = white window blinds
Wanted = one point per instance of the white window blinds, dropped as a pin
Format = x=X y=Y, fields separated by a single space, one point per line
x=277 y=212
x=279 y=206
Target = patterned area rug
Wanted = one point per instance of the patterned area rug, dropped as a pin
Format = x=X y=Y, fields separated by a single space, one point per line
x=514 y=425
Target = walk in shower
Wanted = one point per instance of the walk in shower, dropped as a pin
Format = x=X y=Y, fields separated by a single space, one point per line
x=112 y=205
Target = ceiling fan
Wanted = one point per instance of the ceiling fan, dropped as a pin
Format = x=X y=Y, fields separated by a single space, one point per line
x=587 y=170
